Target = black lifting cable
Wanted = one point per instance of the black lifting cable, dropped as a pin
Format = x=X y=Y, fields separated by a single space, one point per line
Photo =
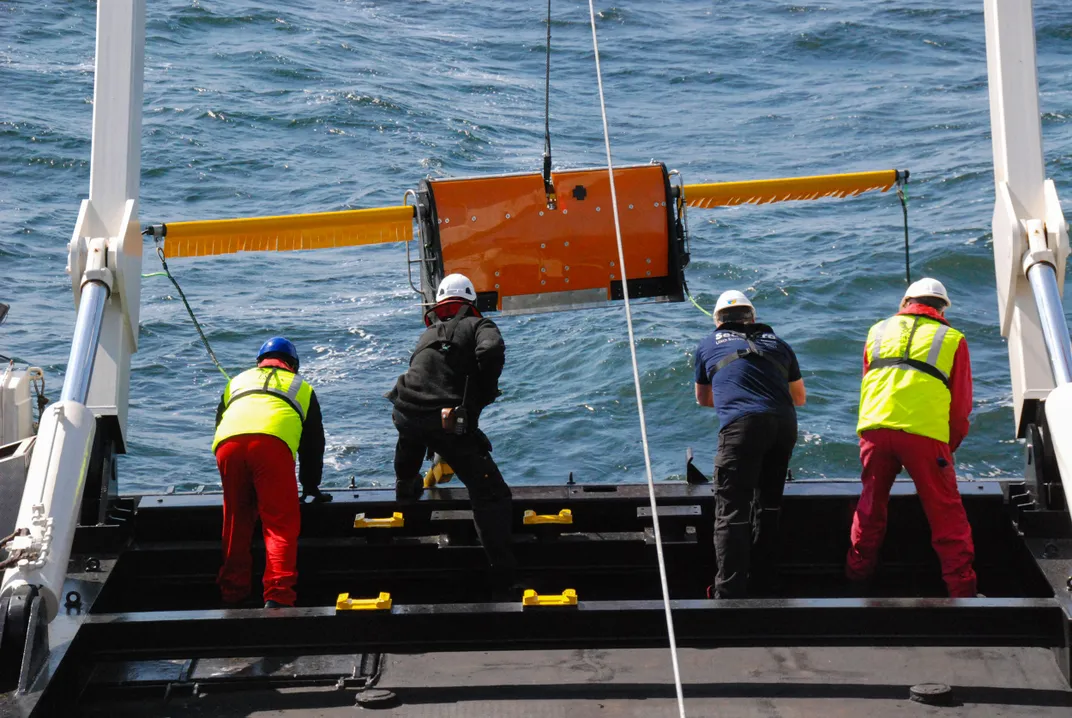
x=902 y=194
x=548 y=185
x=182 y=296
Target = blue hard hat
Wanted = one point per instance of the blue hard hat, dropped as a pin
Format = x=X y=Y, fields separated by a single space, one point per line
x=279 y=346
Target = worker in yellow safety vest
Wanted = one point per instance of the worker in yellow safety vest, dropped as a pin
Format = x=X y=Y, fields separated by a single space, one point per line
x=268 y=416
x=914 y=404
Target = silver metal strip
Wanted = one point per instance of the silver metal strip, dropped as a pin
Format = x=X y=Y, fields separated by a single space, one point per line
x=936 y=346
x=87 y=331
x=1043 y=280
x=880 y=336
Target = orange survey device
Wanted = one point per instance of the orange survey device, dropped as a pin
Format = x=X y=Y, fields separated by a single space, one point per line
x=524 y=257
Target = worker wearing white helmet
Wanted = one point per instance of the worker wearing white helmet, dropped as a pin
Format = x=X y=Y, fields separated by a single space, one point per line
x=915 y=399
x=453 y=374
x=752 y=378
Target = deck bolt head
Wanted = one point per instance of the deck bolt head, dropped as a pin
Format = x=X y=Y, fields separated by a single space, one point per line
x=934 y=694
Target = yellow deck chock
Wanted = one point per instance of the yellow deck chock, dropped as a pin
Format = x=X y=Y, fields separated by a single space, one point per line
x=395 y=521
x=565 y=516
x=566 y=598
x=345 y=603
x=441 y=473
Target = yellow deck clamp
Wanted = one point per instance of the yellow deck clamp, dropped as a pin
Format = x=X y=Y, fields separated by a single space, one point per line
x=566 y=598
x=394 y=521
x=345 y=603
x=565 y=516
x=441 y=473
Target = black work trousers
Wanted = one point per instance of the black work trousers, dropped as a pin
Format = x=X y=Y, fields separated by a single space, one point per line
x=750 y=471
x=469 y=455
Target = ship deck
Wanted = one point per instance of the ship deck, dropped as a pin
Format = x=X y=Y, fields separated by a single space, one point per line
x=143 y=632
x=728 y=683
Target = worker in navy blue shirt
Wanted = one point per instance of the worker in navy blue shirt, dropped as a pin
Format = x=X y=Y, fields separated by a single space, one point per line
x=752 y=379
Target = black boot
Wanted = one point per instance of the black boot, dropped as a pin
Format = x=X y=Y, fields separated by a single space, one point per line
x=409 y=489
x=507 y=586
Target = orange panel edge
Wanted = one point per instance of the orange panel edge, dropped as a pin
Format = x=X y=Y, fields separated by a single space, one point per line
x=524 y=257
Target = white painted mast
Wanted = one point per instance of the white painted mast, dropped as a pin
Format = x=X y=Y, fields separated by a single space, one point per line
x=104 y=261
x=1030 y=232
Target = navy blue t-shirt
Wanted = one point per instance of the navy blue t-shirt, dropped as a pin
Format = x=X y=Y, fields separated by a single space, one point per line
x=751 y=384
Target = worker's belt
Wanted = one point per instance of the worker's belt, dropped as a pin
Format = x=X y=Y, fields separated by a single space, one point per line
x=915 y=364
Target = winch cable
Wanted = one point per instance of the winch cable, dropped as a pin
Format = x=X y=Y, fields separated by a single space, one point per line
x=548 y=184
x=636 y=377
x=189 y=310
x=902 y=194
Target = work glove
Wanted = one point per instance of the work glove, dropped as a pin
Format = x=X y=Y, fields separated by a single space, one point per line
x=319 y=497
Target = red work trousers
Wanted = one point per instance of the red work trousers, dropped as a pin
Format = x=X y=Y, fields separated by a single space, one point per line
x=930 y=464
x=258 y=478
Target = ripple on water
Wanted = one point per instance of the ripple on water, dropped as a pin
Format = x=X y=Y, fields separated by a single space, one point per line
x=263 y=111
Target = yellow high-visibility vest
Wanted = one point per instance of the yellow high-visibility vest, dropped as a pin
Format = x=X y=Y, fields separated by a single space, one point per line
x=906 y=386
x=265 y=400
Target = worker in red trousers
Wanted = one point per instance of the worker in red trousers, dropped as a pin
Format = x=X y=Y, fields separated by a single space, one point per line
x=914 y=404
x=268 y=416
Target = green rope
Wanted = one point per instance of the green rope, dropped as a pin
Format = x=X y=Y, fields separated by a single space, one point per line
x=189 y=310
x=697 y=305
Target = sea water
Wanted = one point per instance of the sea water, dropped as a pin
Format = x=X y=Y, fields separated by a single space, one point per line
x=271 y=108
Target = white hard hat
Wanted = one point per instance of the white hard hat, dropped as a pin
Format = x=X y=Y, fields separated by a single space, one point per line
x=732 y=298
x=456 y=286
x=927 y=287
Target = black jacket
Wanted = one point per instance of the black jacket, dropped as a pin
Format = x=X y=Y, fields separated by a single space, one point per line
x=310 y=446
x=447 y=353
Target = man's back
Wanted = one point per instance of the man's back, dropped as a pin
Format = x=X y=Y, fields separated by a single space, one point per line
x=751 y=383
x=917 y=376
x=447 y=353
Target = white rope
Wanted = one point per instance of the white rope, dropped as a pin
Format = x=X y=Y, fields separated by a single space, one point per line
x=636 y=379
